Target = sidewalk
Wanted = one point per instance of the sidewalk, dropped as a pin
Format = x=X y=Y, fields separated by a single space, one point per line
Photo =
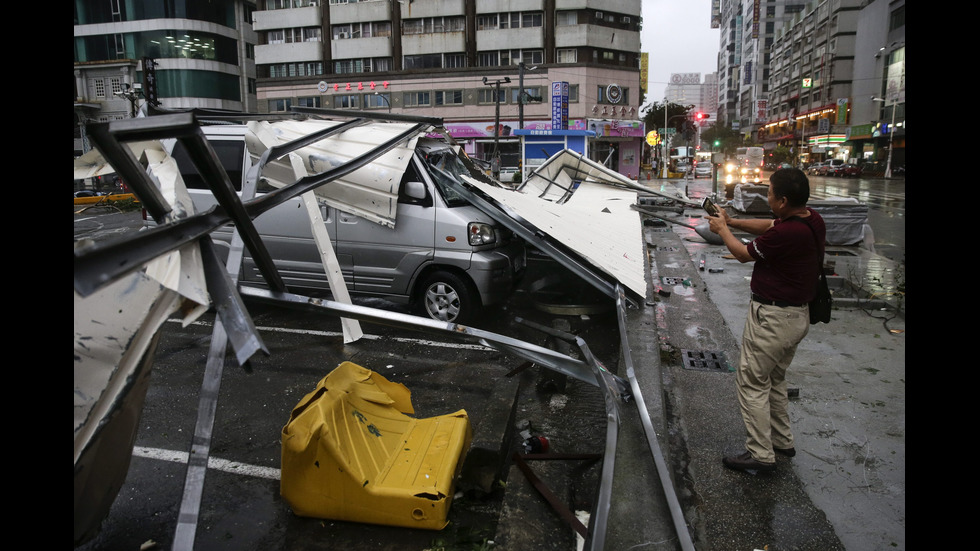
x=845 y=489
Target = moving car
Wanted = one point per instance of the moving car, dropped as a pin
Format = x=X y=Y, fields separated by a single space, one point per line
x=849 y=171
x=702 y=170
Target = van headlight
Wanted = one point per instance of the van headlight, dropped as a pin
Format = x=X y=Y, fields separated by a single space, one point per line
x=481 y=234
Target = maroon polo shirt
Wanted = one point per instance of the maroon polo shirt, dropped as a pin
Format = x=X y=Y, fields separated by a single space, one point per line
x=787 y=259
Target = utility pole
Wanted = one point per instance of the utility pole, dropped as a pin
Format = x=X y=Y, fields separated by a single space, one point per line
x=495 y=157
x=520 y=95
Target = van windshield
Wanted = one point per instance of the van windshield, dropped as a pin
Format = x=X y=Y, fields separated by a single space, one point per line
x=446 y=167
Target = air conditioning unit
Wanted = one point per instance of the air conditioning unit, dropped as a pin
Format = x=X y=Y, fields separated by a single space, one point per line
x=314 y=3
x=343 y=35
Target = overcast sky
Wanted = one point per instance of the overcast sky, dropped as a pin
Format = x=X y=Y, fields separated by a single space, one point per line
x=678 y=36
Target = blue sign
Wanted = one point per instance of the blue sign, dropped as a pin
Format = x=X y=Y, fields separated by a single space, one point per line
x=559 y=105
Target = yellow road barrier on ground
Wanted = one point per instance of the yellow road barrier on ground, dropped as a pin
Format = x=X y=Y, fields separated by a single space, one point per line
x=101 y=198
x=351 y=452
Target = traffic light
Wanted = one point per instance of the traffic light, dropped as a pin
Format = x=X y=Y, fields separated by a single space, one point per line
x=701 y=116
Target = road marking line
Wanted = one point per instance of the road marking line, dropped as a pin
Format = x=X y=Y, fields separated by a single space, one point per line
x=319 y=333
x=215 y=463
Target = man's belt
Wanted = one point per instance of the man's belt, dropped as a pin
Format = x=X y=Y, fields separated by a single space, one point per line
x=767 y=302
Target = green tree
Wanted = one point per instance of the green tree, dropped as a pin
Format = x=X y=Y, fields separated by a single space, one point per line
x=675 y=117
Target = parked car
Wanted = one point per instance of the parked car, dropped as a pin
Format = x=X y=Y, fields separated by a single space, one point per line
x=702 y=170
x=849 y=171
x=831 y=167
x=814 y=169
x=442 y=254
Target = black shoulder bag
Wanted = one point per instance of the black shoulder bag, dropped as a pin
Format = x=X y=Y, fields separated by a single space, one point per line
x=822 y=302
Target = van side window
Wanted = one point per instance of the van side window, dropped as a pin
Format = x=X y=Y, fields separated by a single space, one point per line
x=412 y=175
x=230 y=153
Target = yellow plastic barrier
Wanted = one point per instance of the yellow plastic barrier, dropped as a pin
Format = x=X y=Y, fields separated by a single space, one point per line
x=350 y=452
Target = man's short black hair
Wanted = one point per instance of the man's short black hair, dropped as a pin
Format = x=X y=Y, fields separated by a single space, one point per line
x=792 y=184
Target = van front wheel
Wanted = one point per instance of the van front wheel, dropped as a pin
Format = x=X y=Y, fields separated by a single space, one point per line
x=446 y=297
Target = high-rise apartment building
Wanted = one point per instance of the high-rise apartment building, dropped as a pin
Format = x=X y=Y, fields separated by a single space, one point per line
x=461 y=60
x=689 y=89
x=203 y=54
x=803 y=74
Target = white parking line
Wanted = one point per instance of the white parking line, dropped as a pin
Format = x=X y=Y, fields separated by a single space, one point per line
x=215 y=463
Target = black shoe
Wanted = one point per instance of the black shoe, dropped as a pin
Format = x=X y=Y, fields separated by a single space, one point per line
x=788 y=452
x=746 y=463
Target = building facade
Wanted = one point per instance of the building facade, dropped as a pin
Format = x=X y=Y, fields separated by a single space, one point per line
x=486 y=68
x=815 y=77
x=202 y=52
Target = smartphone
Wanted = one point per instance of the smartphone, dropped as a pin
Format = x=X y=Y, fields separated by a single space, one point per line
x=709 y=207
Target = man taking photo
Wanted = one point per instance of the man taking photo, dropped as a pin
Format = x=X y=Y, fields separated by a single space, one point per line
x=788 y=256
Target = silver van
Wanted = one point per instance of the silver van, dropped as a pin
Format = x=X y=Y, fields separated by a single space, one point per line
x=444 y=256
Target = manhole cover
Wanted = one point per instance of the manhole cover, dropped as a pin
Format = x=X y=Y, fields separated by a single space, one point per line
x=705 y=360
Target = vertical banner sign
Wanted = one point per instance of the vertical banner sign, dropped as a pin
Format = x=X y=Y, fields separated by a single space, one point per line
x=755 y=18
x=559 y=105
x=895 y=90
x=644 y=70
x=150 y=81
x=842 y=111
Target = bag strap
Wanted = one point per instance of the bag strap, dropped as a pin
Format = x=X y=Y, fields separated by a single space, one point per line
x=820 y=254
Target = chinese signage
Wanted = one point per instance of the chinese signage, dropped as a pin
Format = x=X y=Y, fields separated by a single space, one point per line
x=644 y=70
x=685 y=78
x=616 y=129
x=559 y=105
x=842 y=104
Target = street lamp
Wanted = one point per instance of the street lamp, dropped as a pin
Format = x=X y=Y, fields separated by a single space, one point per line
x=891 y=135
x=132 y=94
x=382 y=96
x=495 y=158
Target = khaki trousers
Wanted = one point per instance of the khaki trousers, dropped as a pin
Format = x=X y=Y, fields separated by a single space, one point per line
x=769 y=343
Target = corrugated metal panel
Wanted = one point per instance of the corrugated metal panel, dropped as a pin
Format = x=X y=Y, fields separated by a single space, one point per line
x=371 y=192
x=596 y=222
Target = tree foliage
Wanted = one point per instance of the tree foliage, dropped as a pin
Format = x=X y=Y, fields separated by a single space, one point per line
x=728 y=139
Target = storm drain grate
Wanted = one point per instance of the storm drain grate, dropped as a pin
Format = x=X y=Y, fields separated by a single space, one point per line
x=705 y=360
x=667 y=280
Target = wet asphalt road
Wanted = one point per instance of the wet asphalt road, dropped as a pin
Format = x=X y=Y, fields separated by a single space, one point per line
x=241 y=507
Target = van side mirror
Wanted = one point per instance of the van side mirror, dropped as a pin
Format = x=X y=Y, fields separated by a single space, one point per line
x=415 y=190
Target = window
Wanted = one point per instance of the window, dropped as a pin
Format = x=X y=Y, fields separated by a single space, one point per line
x=416 y=99
x=569 y=55
x=276 y=37
x=99 y=88
x=308 y=102
x=377 y=101
x=115 y=85
x=279 y=105
x=486 y=22
x=566 y=18
x=346 y=101
x=341 y=32
x=453 y=61
x=449 y=97
x=486 y=95
x=423 y=61
x=532 y=19
x=533 y=94
x=311 y=34
x=488 y=59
